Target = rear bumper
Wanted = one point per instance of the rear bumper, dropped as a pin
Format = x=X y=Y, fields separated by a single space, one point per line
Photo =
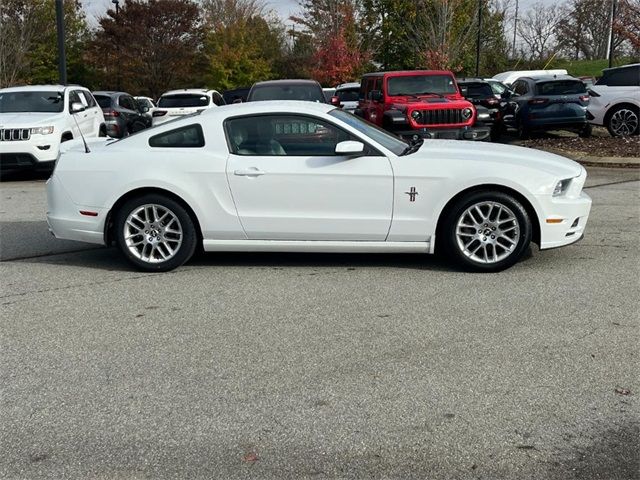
x=466 y=133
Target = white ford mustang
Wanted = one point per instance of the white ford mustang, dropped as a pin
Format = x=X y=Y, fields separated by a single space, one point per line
x=298 y=176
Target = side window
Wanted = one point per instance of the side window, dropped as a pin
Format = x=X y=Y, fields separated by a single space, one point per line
x=190 y=136
x=362 y=94
x=217 y=99
x=370 y=83
x=126 y=102
x=520 y=87
x=283 y=135
x=378 y=84
x=91 y=102
x=624 y=77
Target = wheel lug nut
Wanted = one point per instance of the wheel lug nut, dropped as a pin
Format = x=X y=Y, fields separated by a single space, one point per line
x=484 y=239
x=493 y=236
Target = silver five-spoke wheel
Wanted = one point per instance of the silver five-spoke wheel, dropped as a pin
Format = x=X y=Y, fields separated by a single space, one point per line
x=487 y=232
x=624 y=122
x=153 y=233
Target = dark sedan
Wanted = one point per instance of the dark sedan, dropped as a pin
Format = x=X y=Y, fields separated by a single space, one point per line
x=122 y=114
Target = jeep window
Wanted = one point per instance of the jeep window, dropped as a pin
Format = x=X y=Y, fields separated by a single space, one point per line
x=31 y=101
x=561 y=87
x=184 y=137
x=309 y=93
x=375 y=133
x=421 y=85
x=183 y=100
x=104 y=101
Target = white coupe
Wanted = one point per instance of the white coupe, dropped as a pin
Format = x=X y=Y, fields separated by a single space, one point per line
x=299 y=176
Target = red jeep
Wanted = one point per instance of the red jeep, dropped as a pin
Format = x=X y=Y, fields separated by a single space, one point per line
x=418 y=104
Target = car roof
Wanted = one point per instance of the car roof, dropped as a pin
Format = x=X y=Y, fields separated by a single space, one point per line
x=471 y=80
x=621 y=66
x=38 y=88
x=348 y=85
x=188 y=91
x=408 y=72
x=109 y=93
x=300 y=81
x=549 y=78
x=270 y=106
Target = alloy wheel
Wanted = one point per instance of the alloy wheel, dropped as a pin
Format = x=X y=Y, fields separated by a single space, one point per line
x=487 y=232
x=624 y=122
x=153 y=233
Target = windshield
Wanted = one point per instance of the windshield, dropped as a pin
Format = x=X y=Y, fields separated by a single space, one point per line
x=348 y=94
x=421 y=85
x=103 y=100
x=309 y=93
x=388 y=141
x=563 y=87
x=44 y=102
x=183 y=100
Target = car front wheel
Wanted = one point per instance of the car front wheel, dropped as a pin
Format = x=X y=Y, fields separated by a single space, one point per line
x=155 y=233
x=486 y=231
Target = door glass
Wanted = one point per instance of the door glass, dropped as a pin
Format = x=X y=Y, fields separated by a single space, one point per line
x=283 y=135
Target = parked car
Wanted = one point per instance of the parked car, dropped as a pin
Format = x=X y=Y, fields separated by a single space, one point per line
x=236 y=95
x=509 y=77
x=338 y=184
x=122 y=114
x=551 y=102
x=35 y=120
x=490 y=111
x=418 y=104
x=177 y=103
x=500 y=90
x=346 y=96
x=146 y=102
x=306 y=90
x=615 y=100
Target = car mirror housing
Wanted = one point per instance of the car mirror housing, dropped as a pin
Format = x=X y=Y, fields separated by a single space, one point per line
x=77 y=107
x=349 y=148
x=144 y=109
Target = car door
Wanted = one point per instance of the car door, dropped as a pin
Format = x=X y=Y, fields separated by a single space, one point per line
x=288 y=184
x=129 y=111
x=83 y=120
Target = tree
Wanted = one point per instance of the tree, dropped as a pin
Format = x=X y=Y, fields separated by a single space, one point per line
x=149 y=47
x=537 y=29
x=243 y=43
x=627 y=25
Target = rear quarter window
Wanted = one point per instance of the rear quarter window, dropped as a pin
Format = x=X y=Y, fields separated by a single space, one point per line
x=561 y=87
x=190 y=136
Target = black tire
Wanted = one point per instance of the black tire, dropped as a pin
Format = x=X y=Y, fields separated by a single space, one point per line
x=496 y=132
x=630 y=110
x=586 y=131
x=454 y=248
x=102 y=132
x=163 y=241
x=523 y=132
x=136 y=127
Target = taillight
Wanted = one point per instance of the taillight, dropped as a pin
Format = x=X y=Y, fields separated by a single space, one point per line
x=159 y=113
x=538 y=101
x=111 y=113
x=584 y=98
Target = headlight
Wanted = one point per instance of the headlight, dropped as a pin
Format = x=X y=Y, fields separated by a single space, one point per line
x=42 y=130
x=467 y=113
x=415 y=115
x=561 y=187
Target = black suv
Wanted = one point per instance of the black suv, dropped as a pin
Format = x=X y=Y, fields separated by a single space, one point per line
x=305 y=90
x=491 y=110
x=122 y=114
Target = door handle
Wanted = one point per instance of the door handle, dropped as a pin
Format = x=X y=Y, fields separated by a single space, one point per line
x=249 y=172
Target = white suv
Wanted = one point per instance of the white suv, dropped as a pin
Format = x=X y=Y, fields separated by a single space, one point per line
x=615 y=100
x=177 y=103
x=35 y=120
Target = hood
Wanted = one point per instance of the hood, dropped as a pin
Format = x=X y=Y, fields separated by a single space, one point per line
x=496 y=153
x=29 y=119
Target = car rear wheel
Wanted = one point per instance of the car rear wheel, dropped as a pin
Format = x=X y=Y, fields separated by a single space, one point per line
x=586 y=131
x=155 y=233
x=486 y=231
x=623 y=121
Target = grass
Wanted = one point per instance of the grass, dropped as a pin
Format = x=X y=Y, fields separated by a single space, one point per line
x=587 y=68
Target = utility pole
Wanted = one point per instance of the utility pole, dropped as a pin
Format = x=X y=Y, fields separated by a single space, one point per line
x=479 y=37
x=515 y=30
x=62 y=58
x=117 y=19
x=613 y=16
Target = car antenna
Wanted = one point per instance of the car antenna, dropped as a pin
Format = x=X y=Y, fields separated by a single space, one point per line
x=86 y=147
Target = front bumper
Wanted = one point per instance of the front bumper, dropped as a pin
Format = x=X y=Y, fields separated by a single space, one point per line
x=28 y=155
x=563 y=220
x=65 y=220
x=478 y=132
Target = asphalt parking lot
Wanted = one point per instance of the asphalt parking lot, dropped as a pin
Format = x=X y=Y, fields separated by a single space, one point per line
x=321 y=366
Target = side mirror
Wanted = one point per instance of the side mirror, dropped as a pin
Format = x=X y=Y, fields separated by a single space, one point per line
x=376 y=96
x=144 y=109
x=77 y=107
x=335 y=101
x=349 y=148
